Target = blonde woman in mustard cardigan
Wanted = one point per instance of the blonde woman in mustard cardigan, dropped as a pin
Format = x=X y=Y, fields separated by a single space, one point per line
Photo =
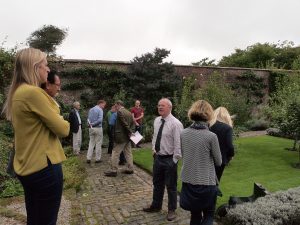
x=37 y=127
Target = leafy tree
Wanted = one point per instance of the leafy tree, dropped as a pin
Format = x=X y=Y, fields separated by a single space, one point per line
x=254 y=56
x=280 y=56
x=284 y=106
x=47 y=38
x=260 y=54
x=286 y=54
x=237 y=59
x=150 y=78
x=205 y=62
x=291 y=123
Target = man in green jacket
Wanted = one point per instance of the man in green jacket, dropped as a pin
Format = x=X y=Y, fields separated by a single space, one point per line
x=123 y=130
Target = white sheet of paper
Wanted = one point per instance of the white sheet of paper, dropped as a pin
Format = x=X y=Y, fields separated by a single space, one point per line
x=136 y=137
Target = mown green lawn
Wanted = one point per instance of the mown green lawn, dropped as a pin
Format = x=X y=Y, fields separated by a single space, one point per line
x=261 y=159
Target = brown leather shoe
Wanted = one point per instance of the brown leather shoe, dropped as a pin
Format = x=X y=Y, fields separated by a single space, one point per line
x=110 y=174
x=151 y=209
x=171 y=215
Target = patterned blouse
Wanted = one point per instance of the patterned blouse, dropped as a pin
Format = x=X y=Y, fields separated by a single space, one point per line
x=200 y=153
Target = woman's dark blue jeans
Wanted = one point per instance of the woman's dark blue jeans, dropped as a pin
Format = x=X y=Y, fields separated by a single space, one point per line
x=43 y=191
x=204 y=217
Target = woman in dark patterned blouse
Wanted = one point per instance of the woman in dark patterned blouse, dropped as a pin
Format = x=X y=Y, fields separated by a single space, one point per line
x=200 y=153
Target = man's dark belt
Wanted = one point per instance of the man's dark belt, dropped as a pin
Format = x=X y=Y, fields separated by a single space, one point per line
x=164 y=156
x=97 y=126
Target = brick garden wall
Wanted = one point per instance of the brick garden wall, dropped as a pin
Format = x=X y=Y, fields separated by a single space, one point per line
x=200 y=73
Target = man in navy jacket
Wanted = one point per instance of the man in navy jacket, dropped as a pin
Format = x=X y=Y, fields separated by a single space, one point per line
x=75 y=127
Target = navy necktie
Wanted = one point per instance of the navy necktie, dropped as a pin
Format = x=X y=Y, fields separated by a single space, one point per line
x=158 y=137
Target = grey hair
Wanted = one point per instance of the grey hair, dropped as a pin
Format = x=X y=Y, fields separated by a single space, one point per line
x=168 y=101
x=75 y=103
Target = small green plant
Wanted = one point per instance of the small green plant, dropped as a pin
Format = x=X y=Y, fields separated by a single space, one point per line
x=257 y=124
x=5 y=148
x=10 y=188
x=74 y=172
x=148 y=128
x=6 y=128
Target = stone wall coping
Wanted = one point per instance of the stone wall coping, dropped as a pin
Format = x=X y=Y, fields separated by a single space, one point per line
x=126 y=63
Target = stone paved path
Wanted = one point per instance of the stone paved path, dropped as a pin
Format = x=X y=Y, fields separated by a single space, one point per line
x=119 y=200
x=111 y=201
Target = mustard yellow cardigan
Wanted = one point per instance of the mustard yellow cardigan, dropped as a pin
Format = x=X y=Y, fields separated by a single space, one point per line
x=37 y=127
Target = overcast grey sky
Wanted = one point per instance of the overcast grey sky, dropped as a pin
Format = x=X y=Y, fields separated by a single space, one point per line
x=122 y=29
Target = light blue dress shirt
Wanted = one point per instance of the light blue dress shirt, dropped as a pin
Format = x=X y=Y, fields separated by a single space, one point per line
x=95 y=116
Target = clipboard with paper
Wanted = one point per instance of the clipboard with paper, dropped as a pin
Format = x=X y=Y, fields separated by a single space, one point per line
x=136 y=137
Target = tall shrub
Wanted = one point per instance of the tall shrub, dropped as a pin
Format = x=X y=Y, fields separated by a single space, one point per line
x=151 y=78
x=183 y=103
x=218 y=93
